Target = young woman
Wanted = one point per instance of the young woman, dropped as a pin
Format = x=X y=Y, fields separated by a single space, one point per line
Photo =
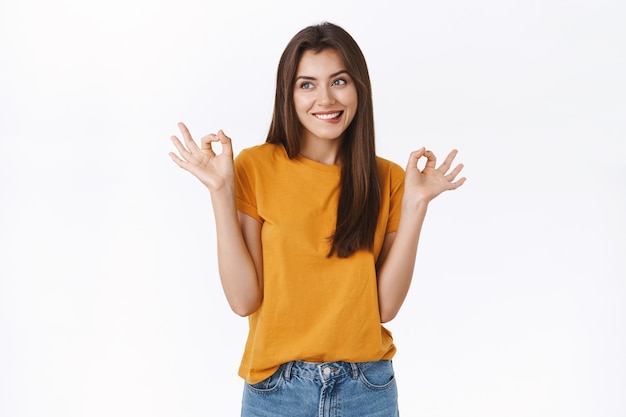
x=317 y=236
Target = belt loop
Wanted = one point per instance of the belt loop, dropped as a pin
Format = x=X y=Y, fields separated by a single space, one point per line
x=355 y=370
x=287 y=371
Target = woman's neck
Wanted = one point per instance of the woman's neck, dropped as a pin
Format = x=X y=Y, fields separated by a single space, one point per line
x=322 y=151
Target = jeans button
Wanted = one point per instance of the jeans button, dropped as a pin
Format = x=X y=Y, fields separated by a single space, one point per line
x=326 y=371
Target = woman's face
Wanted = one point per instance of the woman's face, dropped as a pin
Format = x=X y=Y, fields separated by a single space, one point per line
x=324 y=96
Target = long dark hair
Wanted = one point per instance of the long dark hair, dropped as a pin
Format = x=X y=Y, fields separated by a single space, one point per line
x=359 y=199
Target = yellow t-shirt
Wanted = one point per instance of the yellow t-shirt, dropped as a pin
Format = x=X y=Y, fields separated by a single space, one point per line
x=314 y=308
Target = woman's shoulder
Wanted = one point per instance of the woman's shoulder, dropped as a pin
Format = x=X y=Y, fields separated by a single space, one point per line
x=391 y=175
x=388 y=167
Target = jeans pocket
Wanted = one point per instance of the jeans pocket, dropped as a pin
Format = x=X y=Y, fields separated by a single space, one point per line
x=377 y=375
x=269 y=384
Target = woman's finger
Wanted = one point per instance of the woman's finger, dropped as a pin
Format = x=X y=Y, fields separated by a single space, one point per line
x=181 y=149
x=205 y=143
x=457 y=184
x=451 y=176
x=414 y=158
x=178 y=161
x=431 y=160
x=447 y=163
x=191 y=145
x=227 y=145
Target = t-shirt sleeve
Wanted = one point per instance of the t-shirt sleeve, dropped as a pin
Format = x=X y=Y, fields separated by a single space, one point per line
x=245 y=185
x=396 y=178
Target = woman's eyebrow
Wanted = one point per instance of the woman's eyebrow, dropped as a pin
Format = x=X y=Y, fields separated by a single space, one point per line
x=306 y=77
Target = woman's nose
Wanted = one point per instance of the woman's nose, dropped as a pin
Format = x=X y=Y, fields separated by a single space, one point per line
x=325 y=96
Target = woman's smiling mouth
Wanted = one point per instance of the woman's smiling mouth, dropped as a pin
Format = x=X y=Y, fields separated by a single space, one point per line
x=328 y=116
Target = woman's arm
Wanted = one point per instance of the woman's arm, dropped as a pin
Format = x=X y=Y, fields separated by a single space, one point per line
x=238 y=235
x=239 y=255
x=397 y=258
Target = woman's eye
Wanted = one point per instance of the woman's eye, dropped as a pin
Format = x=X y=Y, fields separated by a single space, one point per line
x=306 y=85
x=340 y=81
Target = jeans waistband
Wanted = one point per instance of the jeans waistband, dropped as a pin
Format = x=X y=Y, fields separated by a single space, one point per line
x=319 y=371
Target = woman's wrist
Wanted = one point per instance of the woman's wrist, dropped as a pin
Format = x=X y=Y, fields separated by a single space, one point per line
x=414 y=203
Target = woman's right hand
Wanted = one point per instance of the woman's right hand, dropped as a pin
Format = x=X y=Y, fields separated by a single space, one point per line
x=215 y=171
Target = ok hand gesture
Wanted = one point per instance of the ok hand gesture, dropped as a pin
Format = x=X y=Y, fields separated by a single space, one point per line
x=428 y=183
x=214 y=171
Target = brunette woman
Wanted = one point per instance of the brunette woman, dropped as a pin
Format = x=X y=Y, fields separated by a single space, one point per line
x=317 y=236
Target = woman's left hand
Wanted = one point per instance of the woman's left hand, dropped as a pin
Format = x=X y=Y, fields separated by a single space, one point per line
x=431 y=181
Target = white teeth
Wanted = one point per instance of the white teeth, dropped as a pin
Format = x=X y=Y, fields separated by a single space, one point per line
x=327 y=116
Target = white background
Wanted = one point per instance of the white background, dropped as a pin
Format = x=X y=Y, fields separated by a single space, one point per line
x=110 y=304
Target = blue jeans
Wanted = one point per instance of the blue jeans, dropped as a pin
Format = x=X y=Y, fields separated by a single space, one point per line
x=331 y=389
